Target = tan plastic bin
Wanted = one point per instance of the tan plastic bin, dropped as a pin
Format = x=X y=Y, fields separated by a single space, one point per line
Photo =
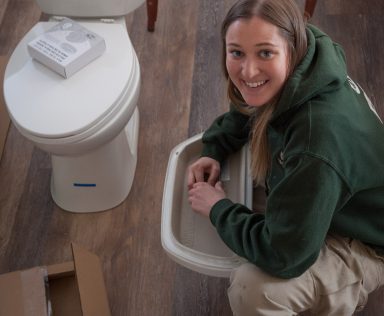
x=189 y=238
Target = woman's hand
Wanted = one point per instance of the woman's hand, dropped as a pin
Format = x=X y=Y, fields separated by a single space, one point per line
x=200 y=168
x=202 y=196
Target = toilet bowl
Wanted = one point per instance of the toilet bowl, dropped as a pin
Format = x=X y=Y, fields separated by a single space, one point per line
x=88 y=122
x=189 y=238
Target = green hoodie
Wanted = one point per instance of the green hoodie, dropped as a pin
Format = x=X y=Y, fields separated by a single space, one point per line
x=326 y=173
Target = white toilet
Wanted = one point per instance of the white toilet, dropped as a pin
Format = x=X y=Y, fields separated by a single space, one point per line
x=88 y=122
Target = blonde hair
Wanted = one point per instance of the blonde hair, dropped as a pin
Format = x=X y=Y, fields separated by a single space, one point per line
x=286 y=15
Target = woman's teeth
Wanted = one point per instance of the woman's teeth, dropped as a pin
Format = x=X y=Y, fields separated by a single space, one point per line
x=255 y=84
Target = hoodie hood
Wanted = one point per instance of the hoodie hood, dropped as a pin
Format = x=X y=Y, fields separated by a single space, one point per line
x=322 y=70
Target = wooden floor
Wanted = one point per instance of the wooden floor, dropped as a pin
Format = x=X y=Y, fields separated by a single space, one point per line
x=182 y=92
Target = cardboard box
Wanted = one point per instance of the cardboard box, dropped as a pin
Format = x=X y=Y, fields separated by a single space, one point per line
x=74 y=288
x=66 y=47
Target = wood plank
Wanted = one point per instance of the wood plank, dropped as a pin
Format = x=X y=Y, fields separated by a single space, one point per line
x=198 y=294
x=3 y=7
x=209 y=97
x=353 y=8
x=4 y=117
x=18 y=18
x=167 y=64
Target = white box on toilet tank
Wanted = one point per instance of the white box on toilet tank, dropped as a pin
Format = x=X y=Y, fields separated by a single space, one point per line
x=67 y=47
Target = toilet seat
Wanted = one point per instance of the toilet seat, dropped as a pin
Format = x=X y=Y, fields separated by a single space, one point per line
x=54 y=110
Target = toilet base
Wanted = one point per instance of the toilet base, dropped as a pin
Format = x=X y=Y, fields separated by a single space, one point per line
x=98 y=180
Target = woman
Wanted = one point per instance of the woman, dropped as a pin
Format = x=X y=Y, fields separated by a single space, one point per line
x=317 y=145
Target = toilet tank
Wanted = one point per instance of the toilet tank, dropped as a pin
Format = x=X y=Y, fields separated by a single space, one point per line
x=88 y=8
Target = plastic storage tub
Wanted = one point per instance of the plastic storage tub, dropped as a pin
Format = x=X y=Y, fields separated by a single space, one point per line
x=189 y=238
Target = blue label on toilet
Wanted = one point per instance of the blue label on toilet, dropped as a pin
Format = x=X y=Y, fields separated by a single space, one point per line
x=76 y=184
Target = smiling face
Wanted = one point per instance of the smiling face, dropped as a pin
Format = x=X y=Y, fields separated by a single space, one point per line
x=256 y=59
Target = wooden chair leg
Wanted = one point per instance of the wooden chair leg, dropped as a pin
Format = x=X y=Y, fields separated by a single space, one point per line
x=309 y=8
x=152 y=14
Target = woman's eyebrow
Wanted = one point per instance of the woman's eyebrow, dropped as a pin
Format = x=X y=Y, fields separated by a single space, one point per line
x=256 y=45
x=266 y=44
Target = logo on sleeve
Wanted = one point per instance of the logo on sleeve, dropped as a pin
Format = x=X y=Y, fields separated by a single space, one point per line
x=353 y=85
x=357 y=89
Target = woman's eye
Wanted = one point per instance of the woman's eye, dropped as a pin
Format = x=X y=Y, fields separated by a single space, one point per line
x=266 y=54
x=236 y=53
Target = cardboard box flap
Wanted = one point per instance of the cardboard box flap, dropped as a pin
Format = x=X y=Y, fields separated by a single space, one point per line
x=22 y=293
x=93 y=294
x=60 y=269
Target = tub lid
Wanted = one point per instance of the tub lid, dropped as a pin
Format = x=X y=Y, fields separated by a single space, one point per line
x=47 y=105
x=187 y=237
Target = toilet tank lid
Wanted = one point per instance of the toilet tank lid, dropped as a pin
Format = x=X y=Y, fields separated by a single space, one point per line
x=89 y=8
x=46 y=105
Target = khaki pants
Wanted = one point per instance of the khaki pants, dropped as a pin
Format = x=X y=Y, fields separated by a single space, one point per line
x=337 y=284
